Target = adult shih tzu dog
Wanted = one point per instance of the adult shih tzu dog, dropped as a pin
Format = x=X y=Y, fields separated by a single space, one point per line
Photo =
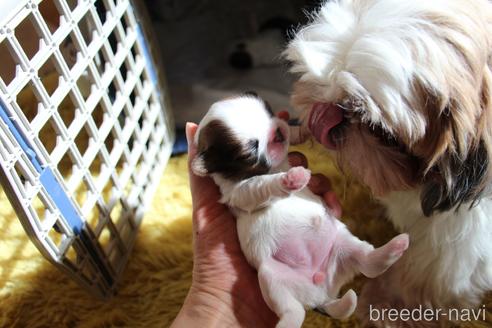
x=401 y=91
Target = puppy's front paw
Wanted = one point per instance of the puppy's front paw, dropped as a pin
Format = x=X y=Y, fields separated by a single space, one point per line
x=296 y=178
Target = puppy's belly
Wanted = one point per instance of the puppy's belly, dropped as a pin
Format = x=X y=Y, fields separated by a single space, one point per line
x=305 y=263
x=294 y=237
x=295 y=231
x=307 y=252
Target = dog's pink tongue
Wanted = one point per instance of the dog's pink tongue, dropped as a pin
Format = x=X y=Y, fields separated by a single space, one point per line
x=322 y=119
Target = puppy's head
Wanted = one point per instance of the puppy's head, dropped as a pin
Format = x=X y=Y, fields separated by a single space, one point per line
x=402 y=91
x=239 y=138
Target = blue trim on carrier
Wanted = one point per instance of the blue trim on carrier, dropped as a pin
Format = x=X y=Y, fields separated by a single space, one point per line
x=147 y=55
x=47 y=178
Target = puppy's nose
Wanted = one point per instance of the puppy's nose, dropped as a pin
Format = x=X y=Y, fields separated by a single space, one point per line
x=323 y=118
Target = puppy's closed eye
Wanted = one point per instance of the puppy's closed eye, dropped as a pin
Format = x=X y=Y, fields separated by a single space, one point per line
x=253 y=144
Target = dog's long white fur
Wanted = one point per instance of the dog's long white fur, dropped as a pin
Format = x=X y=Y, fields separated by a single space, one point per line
x=375 y=50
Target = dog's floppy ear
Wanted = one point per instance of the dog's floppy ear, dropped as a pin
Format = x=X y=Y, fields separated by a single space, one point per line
x=458 y=148
x=198 y=166
x=455 y=181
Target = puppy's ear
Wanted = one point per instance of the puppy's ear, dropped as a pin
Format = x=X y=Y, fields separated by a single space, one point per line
x=198 y=166
x=454 y=181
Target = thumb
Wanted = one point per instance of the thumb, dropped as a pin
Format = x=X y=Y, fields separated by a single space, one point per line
x=203 y=189
x=204 y=193
x=190 y=131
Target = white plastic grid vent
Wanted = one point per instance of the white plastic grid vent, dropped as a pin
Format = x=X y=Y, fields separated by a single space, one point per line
x=84 y=133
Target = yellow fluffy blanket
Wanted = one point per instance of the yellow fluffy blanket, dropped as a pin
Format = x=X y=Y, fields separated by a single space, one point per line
x=35 y=294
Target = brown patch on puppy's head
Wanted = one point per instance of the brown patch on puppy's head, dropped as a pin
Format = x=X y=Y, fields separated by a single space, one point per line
x=220 y=151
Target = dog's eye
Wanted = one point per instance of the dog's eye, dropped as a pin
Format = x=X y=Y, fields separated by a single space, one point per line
x=352 y=108
x=384 y=137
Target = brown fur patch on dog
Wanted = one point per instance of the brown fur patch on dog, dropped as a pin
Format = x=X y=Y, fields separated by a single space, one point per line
x=220 y=151
x=381 y=165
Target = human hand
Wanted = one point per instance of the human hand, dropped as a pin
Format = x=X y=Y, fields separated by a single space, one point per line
x=225 y=289
x=319 y=184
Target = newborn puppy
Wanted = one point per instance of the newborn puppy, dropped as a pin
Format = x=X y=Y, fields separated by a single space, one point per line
x=303 y=254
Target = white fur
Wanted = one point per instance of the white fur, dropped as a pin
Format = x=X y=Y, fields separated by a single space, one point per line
x=241 y=113
x=451 y=252
x=373 y=50
x=277 y=211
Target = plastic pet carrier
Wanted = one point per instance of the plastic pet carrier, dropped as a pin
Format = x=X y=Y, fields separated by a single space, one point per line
x=85 y=131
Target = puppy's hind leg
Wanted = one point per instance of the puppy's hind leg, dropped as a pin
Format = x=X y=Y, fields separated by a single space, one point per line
x=343 y=307
x=289 y=310
x=358 y=255
x=379 y=260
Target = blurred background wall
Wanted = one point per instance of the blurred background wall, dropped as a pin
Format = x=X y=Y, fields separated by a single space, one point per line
x=212 y=49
